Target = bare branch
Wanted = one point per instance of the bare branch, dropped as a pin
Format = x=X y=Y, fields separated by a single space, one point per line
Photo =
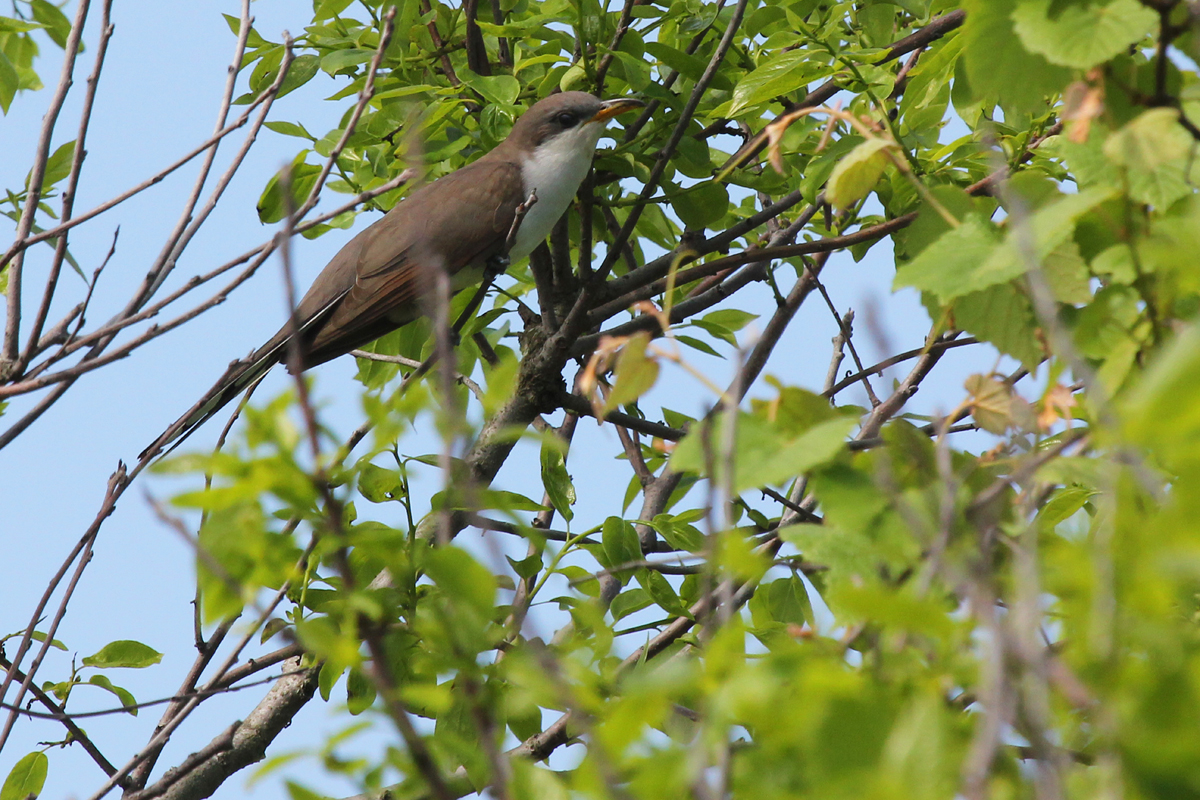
x=59 y=713
x=68 y=195
x=12 y=328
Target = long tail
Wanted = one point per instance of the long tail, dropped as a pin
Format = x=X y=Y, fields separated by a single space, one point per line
x=240 y=375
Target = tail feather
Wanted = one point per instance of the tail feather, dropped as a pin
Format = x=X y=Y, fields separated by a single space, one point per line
x=240 y=376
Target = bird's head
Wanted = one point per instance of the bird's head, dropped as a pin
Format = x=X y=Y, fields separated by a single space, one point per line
x=577 y=118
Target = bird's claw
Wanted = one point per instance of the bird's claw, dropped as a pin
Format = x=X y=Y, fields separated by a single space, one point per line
x=498 y=263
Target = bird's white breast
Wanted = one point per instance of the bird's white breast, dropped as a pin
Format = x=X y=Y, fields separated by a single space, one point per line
x=555 y=170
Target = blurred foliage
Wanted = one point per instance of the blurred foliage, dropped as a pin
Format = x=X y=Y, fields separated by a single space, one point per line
x=1015 y=619
x=19 y=49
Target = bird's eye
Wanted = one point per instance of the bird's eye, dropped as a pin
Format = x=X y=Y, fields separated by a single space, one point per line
x=567 y=119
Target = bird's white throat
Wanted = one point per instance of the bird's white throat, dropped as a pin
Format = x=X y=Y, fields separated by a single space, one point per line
x=555 y=169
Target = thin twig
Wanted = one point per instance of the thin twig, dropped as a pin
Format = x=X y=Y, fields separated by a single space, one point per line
x=59 y=713
x=877 y=369
x=607 y=59
x=749 y=256
x=82 y=552
x=12 y=329
x=668 y=150
x=191 y=221
x=50 y=233
x=68 y=195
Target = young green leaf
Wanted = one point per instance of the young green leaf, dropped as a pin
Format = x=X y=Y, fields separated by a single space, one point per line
x=856 y=175
x=636 y=373
x=26 y=778
x=1081 y=35
x=124 y=653
x=124 y=695
x=556 y=480
x=620 y=542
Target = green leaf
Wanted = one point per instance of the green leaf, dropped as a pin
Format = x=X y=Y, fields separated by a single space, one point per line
x=661 y=592
x=556 y=480
x=289 y=129
x=679 y=534
x=298 y=792
x=271 y=205
x=794 y=410
x=1067 y=274
x=302 y=70
x=462 y=577
x=940 y=267
x=637 y=71
x=733 y=319
x=501 y=90
x=9 y=83
x=1116 y=264
x=702 y=205
x=1003 y=316
x=635 y=374
x=128 y=702
x=123 y=653
x=58 y=165
x=969 y=259
x=1163 y=411
x=697 y=344
x=780 y=74
x=527 y=567
x=253 y=40
x=27 y=777
x=998 y=66
x=330 y=8
x=510 y=501
x=1152 y=139
x=1081 y=35
x=379 y=485
x=629 y=602
x=1155 y=152
x=360 y=692
x=10 y=25
x=857 y=173
x=339 y=60
x=686 y=65
x=991 y=403
x=620 y=542
x=1062 y=505
x=783 y=601
x=764 y=455
x=57 y=25
x=40 y=636
x=273 y=626
x=929 y=224
x=899 y=610
x=930 y=78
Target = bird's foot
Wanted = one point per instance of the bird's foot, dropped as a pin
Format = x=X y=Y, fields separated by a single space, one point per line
x=497 y=264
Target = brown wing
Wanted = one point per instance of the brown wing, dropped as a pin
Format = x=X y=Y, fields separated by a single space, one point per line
x=452 y=224
x=374 y=284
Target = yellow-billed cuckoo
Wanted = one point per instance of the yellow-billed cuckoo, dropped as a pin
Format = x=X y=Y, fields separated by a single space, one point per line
x=458 y=223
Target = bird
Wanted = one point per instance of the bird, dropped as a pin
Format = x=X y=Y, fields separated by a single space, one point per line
x=459 y=223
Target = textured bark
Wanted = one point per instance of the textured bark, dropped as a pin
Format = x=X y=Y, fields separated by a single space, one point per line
x=251 y=739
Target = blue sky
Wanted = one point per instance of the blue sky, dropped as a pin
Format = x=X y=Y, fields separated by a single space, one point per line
x=158 y=97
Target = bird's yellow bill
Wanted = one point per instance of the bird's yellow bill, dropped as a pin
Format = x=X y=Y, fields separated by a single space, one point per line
x=612 y=108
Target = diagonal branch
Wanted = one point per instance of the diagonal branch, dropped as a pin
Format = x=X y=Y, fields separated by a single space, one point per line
x=60 y=713
x=668 y=150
